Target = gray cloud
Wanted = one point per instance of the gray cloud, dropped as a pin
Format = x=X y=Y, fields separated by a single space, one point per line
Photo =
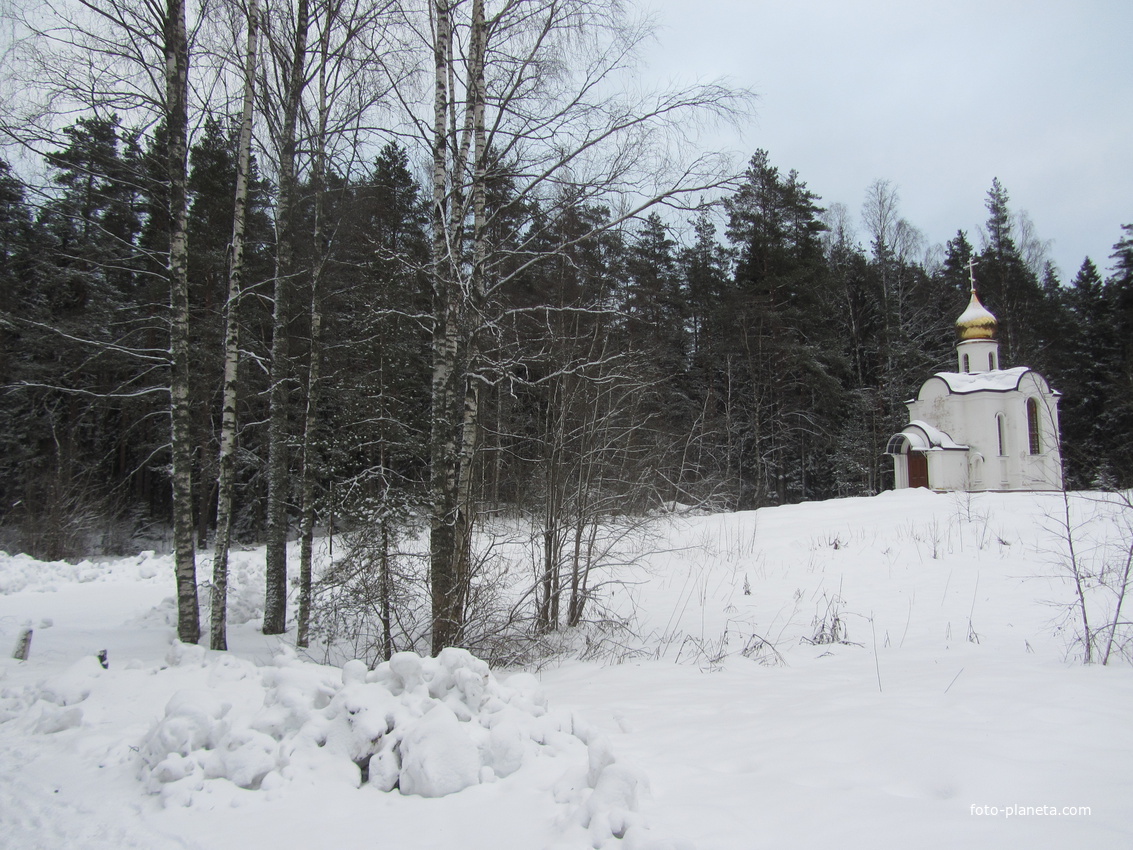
x=938 y=98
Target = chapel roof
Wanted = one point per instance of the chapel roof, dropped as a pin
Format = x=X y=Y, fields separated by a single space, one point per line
x=997 y=381
x=925 y=437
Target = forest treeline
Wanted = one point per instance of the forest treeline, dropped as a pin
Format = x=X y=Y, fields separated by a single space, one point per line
x=471 y=323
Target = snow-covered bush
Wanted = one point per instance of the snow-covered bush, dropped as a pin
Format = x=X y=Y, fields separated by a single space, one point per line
x=427 y=726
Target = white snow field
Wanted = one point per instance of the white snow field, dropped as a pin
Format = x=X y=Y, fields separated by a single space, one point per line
x=902 y=671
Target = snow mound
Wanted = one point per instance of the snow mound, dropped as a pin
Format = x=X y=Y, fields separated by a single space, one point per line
x=23 y=572
x=429 y=727
x=74 y=684
x=606 y=797
x=52 y=704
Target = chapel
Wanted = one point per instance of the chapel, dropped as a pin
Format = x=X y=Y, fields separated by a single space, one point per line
x=981 y=427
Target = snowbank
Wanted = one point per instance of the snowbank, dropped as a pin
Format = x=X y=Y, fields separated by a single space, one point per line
x=23 y=572
x=427 y=726
x=231 y=732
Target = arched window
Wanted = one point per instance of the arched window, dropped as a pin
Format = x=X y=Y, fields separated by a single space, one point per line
x=991 y=361
x=898 y=445
x=967 y=364
x=1033 y=426
x=999 y=431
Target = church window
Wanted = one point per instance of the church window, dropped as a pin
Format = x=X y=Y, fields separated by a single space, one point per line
x=967 y=364
x=991 y=361
x=898 y=444
x=1033 y=426
x=1000 y=435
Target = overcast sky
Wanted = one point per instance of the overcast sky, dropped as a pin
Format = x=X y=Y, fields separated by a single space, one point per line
x=936 y=97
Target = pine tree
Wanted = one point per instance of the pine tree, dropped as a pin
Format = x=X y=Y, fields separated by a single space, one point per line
x=1117 y=419
x=89 y=343
x=376 y=294
x=19 y=243
x=705 y=268
x=656 y=324
x=784 y=366
x=1008 y=287
x=95 y=220
x=212 y=171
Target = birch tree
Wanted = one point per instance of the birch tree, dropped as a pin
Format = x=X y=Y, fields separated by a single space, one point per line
x=227 y=460
x=528 y=90
x=176 y=45
x=314 y=362
x=293 y=63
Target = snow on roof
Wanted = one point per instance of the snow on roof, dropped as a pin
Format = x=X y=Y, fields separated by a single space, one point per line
x=976 y=322
x=933 y=438
x=998 y=380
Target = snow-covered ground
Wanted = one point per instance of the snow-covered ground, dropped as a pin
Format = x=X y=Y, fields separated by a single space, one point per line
x=900 y=671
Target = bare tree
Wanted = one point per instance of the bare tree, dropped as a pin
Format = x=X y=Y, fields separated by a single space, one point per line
x=1097 y=559
x=314 y=363
x=1034 y=250
x=227 y=459
x=1118 y=576
x=176 y=45
x=292 y=58
x=330 y=88
x=839 y=227
x=606 y=456
x=352 y=38
x=880 y=216
x=527 y=93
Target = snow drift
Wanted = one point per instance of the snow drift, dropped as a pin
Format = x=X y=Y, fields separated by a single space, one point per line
x=427 y=726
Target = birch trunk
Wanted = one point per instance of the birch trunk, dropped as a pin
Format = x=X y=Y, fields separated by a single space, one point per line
x=310 y=419
x=591 y=138
x=442 y=437
x=226 y=463
x=455 y=402
x=275 y=595
x=472 y=310
x=307 y=523
x=176 y=109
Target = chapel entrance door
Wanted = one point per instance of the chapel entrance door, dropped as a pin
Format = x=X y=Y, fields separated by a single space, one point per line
x=918 y=469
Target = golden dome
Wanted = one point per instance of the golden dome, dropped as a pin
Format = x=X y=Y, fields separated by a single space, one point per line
x=976 y=322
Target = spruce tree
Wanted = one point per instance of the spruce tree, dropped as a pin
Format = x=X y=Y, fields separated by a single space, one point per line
x=1082 y=376
x=958 y=252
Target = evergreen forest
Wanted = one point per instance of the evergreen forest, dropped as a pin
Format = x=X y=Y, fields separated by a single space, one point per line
x=287 y=268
